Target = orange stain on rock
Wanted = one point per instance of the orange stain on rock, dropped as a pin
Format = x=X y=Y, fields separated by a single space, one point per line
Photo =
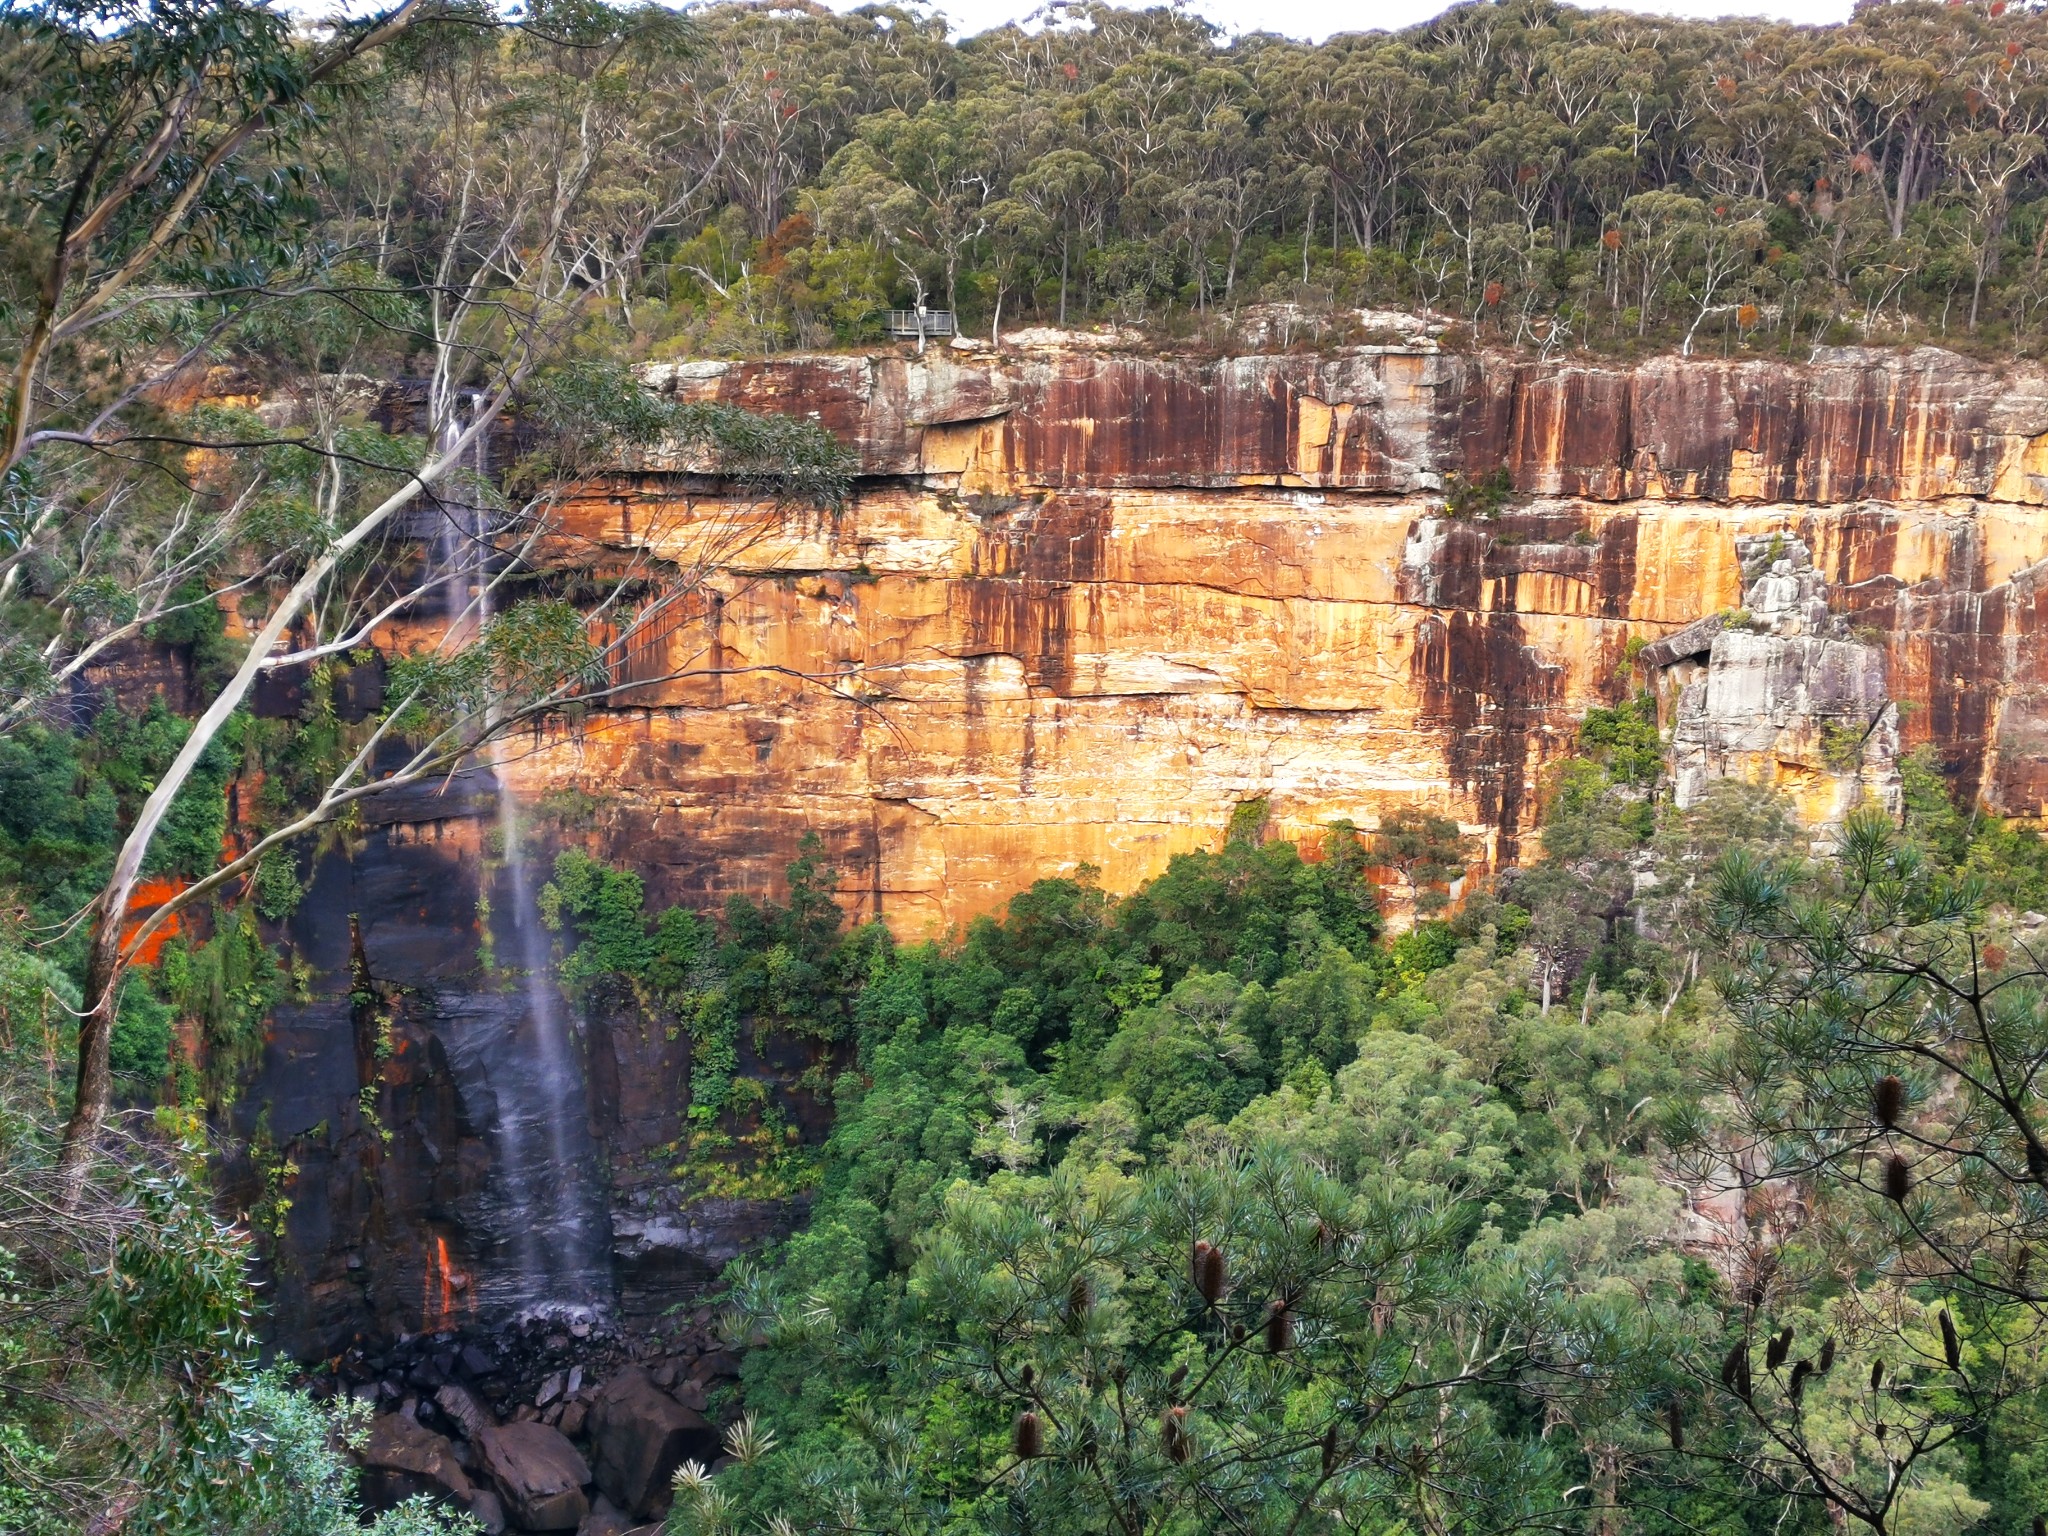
x=150 y=895
x=440 y=1304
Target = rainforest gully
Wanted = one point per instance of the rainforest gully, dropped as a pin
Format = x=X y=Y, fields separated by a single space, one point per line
x=760 y=773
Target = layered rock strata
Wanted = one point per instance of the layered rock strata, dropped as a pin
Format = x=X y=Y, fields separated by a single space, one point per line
x=1082 y=604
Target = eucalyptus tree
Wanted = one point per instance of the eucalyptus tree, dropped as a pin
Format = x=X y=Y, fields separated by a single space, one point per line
x=317 y=521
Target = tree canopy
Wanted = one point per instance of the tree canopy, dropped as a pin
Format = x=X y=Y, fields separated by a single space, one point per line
x=1540 y=174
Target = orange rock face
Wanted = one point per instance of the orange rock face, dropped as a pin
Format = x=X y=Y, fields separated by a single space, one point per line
x=1083 y=606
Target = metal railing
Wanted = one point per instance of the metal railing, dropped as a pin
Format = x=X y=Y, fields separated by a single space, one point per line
x=921 y=322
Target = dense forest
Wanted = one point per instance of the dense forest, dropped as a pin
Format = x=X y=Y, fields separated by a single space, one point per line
x=1538 y=174
x=1688 y=1179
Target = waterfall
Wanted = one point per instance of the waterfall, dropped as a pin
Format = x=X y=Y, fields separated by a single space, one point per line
x=541 y=1235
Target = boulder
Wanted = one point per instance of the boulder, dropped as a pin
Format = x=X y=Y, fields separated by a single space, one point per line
x=465 y=1408
x=639 y=1435
x=574 y=1414
x=488 y=1512
x=719 y=1363
x=538 y=1474
x=401 y=1459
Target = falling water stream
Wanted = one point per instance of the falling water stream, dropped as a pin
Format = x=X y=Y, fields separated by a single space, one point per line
x=542 y=1232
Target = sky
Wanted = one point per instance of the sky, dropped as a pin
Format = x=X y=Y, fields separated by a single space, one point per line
x=1317 y=19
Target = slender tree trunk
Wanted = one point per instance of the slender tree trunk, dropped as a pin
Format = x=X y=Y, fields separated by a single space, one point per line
x=95 y=1083
x=1308 y=230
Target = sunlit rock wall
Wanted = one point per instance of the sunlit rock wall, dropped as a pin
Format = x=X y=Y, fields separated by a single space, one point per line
x=1083 y=605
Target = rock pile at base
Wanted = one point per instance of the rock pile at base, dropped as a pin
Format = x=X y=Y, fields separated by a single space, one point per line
x=533 y=1430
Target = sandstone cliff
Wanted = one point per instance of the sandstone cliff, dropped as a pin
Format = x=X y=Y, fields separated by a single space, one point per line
x=1084 y=604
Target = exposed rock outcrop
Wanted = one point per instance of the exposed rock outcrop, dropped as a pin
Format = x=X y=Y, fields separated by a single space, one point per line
x=1085 y=604
x=1781 y=692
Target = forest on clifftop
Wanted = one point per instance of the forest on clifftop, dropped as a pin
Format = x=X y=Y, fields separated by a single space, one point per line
x=1539 y=174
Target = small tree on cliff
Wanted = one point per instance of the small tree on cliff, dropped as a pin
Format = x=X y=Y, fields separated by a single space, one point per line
x=318 y=528
x=1427 y=851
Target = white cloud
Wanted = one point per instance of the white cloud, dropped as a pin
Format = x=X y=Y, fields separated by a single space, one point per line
x=1319 y=18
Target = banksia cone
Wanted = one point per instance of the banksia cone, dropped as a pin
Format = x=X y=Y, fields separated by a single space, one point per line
x=1237 y=1333
x=1279 y=1329
x=2037 y=1162
x=1776 y=1351
x=1801 y=1369
x=1898 y=1180
x=1876 y=1375
x=1027 y=1436
x=1735 y=1371
x=1951 y=1346
x=1329 y=1450
x=1080 y=1297
x=1027 y=1376
x=1178 y=1375
x=1212 y=1273
x=2041 y=1525
x=1888 y=1100
x=1674 y=1421
x=1826 y=1362
x=1173 y=1434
